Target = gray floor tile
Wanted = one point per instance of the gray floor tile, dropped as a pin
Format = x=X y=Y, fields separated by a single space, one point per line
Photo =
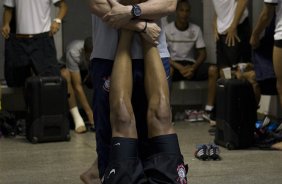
x=62 y=162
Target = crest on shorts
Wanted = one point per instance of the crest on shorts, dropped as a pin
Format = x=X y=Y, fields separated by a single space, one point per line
x=181 y=174
x=106 y=85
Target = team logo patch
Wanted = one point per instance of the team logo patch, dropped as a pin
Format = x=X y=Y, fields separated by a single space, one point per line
x=106 y=85
x=191 y=34
x=181 y=174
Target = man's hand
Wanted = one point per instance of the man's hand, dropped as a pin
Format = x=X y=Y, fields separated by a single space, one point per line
x=254 y=41
x=119 y=15
x=152 y=33
x=232 y=37
x=6 y=31
x=54 y=28
x=187 y=71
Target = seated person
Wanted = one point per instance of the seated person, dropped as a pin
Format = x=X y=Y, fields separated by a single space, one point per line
x=188 y=53
x=76 y=61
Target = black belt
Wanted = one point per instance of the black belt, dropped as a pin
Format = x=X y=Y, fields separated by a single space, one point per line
x=26 y=36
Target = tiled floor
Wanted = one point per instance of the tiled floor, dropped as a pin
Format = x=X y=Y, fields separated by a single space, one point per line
x=62 y=162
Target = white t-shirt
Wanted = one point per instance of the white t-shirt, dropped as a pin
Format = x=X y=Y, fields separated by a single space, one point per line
x=225 y=11
x=278 y=22
x=32 y=16
x=182 y=44
x=106 y=40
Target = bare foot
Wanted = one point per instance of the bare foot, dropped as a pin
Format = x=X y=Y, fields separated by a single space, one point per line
x=277 y=146
x=91 y=176
x=81 y=129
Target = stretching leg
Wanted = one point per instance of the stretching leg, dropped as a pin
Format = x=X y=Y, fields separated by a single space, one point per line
x=121 y=112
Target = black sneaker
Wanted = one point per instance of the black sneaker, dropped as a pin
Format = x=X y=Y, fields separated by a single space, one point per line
x=207 y=115
x=210 y=117
x=202 y=152
x=213 y=152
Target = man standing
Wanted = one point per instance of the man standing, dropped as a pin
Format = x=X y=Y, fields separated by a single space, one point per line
x=271 y=8
x=33 y=45
x=232 y=32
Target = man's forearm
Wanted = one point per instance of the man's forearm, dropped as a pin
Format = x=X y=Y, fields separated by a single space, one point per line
x=7 y=16
x=201 y=57
x=240 y=8
x=264 y=19
x=63 y=8
x=154 y=9
x=151 y=9
x=99 y=7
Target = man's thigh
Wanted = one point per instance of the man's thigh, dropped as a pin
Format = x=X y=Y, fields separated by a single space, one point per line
x=202 y=73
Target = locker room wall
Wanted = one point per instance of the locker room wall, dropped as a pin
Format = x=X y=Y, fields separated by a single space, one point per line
x=77 y=23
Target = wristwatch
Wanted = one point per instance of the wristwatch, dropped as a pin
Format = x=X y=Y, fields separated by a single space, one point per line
x=136 y=11
x=57 y=20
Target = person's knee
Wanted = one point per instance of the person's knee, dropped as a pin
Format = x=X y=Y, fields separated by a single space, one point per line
x=159 y=110
x=213 y=71
x=65 y=74
x=121 y=114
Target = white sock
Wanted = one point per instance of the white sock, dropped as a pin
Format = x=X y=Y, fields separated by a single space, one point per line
x=208 y=107
x=78 y=121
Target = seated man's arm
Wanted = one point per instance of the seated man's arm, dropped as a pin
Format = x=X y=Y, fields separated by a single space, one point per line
x=201 y=57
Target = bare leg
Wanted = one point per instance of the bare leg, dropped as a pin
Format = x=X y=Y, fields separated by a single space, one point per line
x=213 y=76
x=91 y=176
x=78 y=121
x=277 y=58
x=121 y=112
x=157 y=91
x=277 y=64
x=77 y=84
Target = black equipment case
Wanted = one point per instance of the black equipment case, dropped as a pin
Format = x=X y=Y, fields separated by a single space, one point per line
x=235 y=114
x=47 y=109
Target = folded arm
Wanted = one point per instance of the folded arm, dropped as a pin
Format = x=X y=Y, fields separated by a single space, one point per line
x=117 y=14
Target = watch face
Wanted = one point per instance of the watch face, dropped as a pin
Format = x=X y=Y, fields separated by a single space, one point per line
x=136 y=11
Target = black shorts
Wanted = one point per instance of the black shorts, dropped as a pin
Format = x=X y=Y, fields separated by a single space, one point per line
x=166 y=168
x=23 y=54
x=227 y=56
x=278 y=43
x=200 y=74
x=128 y=171
x=160 y=168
